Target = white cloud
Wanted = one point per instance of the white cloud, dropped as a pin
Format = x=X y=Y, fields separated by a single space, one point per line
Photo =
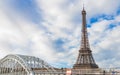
x=54 y=15
x=105 y=42
x=95 y=8
x=17 y=35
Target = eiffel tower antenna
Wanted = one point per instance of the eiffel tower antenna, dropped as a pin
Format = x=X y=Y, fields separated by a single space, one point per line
x=85 y=59
x=83 y=5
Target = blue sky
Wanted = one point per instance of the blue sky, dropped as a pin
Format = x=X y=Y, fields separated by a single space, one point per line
x=51 y=30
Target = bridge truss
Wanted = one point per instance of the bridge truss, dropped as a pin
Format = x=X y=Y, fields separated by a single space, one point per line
x=24 y=65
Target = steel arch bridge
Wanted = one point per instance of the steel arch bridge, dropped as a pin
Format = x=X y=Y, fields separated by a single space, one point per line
x=24 y=65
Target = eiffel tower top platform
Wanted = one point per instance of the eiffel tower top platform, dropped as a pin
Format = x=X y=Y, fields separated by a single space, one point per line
x=85 y=59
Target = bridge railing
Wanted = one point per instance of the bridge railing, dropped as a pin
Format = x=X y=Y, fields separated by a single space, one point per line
x=110 y=71
x=80 y=72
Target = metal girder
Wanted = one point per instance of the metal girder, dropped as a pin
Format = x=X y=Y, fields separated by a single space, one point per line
x=16 y=63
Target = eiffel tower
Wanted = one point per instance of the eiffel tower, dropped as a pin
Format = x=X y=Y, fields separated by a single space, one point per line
x=85 y=59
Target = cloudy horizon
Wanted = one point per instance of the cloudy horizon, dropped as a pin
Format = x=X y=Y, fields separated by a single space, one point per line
x=51 y=30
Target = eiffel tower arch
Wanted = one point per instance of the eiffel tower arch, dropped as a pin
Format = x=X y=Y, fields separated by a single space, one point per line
x=85 y=59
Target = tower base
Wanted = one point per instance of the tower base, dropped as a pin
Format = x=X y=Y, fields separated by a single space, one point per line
x=85 y=66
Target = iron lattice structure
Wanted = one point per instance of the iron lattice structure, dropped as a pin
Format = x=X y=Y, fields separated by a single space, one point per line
x=85 y=59
x=24 y=65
